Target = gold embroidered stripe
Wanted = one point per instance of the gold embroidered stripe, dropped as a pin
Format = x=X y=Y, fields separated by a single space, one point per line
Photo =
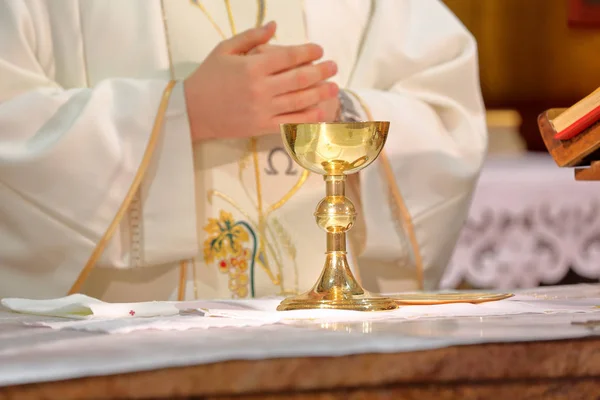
x=137 y=180
x=182 y=280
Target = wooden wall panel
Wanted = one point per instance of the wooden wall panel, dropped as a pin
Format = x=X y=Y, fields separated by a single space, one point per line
x=528 y=52
x=530 y=58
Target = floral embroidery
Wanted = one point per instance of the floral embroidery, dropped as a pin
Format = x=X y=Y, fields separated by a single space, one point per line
x=271 y=243
x=227 y=246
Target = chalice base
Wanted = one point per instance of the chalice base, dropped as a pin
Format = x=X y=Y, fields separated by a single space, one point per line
x=337 y=289
x=314 y=300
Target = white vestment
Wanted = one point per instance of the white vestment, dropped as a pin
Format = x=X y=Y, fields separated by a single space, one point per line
x=80 y=85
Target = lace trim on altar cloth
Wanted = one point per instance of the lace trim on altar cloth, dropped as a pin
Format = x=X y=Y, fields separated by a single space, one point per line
x=510 y=248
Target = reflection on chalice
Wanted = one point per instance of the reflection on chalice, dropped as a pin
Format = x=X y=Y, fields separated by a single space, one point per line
x=336 y=150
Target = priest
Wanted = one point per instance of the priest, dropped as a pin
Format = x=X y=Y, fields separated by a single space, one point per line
x=140 y=157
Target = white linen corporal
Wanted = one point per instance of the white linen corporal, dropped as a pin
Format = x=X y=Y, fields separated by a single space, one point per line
x=81 y=83
x=115 y=318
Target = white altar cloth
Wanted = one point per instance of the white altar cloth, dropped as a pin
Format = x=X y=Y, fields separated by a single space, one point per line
x=31 y=354
x=529 y=223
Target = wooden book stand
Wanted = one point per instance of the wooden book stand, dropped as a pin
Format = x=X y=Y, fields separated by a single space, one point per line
x=581 y=152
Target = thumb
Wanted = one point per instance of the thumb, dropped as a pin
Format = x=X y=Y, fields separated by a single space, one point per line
x=246 y=41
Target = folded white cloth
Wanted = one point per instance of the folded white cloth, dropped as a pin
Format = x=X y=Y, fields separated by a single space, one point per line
x=79 y=306
x=83 y=313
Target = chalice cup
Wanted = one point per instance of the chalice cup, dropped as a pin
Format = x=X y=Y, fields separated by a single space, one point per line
x=336 y=150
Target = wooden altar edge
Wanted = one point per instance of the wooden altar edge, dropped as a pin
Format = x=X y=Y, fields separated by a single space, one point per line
x=552 y=369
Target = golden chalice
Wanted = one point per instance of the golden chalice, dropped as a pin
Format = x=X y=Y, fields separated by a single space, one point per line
x=336 y=150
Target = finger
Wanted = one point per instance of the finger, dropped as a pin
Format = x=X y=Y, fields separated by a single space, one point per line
x=310 y=115
x=301 y=78
x=283 y=58
x=297 y=101
x=264 y=48
x=246 y=41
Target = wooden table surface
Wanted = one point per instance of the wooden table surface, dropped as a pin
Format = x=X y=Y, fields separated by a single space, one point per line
x=566 y=369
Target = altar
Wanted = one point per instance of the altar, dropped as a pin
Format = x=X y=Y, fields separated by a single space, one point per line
x=542 y=345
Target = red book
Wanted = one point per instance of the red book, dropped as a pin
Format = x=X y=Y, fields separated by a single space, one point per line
x=578 y=118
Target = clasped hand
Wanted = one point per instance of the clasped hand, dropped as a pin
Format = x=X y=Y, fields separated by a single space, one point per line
x=246 y=87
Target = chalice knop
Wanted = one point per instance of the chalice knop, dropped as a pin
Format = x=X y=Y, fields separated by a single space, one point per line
x=336 y=150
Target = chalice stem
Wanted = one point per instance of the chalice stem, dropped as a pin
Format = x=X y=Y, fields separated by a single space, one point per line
x=335 y=189
x=337 y=278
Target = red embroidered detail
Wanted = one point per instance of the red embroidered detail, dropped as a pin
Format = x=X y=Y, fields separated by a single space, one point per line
x=132 y=313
